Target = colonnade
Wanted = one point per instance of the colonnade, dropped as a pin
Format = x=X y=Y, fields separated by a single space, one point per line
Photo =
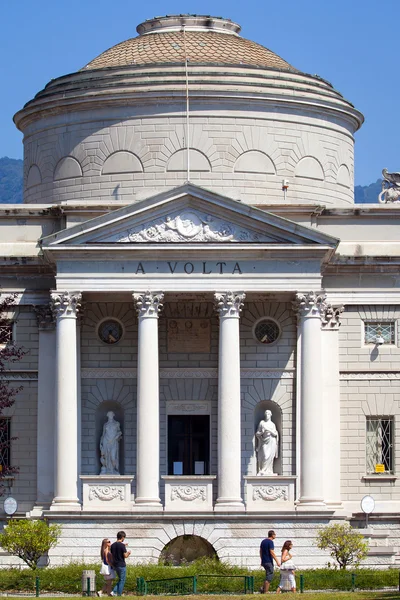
x=316 y=391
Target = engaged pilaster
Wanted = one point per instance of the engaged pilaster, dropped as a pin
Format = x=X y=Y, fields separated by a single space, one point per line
x=330 y=318
x=148 y=306
x=310 y=308
x=65 y=306
x=45 y=409
x=229 y=306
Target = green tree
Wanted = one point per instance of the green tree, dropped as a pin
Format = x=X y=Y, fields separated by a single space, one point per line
x=29 y=540
x=346 y=545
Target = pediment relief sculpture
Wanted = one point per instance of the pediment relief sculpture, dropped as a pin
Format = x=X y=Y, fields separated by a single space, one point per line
x=188 y=226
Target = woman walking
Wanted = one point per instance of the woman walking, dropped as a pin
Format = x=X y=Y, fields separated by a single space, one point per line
x=106 y=567
x=287 y=581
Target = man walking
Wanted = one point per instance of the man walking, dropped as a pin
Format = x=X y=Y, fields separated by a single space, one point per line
x=119 y=554
x=268 y=557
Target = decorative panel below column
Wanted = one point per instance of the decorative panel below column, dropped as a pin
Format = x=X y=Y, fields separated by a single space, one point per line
x=191 y=493
x=270 y=493
x=107 y=493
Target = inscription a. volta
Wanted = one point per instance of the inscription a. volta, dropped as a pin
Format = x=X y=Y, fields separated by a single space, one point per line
x=198 y=268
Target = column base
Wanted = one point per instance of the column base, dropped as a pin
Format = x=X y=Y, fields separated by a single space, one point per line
x=229 y=505
x=65 y=505
x=148 y=504
x=310 y=503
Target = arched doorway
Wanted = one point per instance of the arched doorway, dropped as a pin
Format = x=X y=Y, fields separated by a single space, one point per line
x=186 y=549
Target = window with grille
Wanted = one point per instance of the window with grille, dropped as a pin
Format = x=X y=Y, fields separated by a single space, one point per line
x=267 y=331
x=6 y=333
x=5 y=441
x=380 y=445
x=382 y=332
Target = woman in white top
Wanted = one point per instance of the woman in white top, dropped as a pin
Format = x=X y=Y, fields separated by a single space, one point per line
x=287 y=581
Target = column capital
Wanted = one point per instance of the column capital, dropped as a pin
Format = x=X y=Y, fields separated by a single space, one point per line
x=44 y=316
x=148 y=304
x=310 y=304
x=330 y=317
x=65 y=304
x=229 y=304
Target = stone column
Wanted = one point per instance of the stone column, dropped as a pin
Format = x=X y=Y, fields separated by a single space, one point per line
x=331 y=404
x=309 y=307
x=45 y=407
x=229 y=306
x=148 y=306
x=66 y=306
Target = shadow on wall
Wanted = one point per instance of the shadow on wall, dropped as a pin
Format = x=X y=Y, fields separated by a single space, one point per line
x=101 y=419
x=186 y=549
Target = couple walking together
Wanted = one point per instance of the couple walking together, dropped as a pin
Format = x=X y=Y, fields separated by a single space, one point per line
x=287 y=568
x=113 y=563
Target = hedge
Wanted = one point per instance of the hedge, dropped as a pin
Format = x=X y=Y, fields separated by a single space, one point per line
x=68 y=578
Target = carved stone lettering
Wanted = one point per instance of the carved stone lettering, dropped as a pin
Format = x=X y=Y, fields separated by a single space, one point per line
x=189 y=335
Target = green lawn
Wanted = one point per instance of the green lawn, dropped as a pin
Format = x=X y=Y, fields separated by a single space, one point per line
x=305 y=596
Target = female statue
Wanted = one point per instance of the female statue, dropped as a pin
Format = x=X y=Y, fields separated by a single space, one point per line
x=267 y=447
x=109 y=446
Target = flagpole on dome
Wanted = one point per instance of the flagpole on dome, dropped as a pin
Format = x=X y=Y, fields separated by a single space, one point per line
x=187 y=109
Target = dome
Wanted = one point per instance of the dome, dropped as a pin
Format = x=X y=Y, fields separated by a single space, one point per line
x=200 y=39
x=188 y=99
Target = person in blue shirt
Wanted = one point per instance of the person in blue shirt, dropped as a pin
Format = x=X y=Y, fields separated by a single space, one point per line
x=268 y=557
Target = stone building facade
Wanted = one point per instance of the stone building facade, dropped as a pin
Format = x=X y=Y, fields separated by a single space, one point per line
x=189 y=256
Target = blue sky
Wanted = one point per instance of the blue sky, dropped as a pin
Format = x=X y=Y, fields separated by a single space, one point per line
x=351 y=43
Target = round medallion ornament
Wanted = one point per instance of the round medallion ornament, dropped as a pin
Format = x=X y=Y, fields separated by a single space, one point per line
x=10 y=505
x=110 y=331
x=267 y=331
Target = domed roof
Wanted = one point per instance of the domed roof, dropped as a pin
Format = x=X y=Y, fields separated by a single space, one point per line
x=200 y=39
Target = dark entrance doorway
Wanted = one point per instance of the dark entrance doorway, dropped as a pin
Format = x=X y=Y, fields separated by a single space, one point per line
x=185 y=549
x=188 y=444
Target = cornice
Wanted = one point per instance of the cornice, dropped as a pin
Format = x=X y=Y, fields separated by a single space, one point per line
x=164 y=83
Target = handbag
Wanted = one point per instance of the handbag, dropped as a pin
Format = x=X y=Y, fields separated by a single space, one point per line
x=105 y=569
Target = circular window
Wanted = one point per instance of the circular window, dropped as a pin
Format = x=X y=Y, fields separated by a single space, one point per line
x=267 y=331
x=110 y=331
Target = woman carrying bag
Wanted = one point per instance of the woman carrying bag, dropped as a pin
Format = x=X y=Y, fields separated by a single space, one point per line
x=106 y=567
x=288 y=581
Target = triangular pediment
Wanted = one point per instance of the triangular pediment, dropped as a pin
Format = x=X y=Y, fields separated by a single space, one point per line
x=191 y=215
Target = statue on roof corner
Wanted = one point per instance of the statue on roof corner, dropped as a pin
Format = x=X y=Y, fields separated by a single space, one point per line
x=390 y=187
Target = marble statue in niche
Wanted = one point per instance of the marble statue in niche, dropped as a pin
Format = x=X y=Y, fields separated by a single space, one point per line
x=109 y=446
x=267 y=445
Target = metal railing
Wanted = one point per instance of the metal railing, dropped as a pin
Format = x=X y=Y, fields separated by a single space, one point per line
x=197 y=584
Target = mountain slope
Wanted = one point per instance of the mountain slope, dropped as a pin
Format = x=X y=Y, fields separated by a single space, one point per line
x=11 y=175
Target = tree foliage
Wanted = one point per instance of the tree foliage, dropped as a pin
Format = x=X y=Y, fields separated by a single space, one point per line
x=347 y=546
x=9 y=353
x=29 y=540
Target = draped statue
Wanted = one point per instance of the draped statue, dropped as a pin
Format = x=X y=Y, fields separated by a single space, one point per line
x=109 y=446
x=267 y=445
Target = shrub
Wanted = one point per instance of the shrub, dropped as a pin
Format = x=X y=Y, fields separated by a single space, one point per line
x=29 y=540
x=346 y=545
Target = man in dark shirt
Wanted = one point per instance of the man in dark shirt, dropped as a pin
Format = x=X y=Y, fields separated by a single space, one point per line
x=268 y=557
x=119 y=554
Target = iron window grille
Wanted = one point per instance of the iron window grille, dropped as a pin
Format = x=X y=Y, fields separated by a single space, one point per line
x=5 y=441
x=379 y=444
x=267 y=331
x=384 y=331
x=6 y=333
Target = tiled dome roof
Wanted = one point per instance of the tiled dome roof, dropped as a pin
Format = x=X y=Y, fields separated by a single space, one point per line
x=203 y=44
